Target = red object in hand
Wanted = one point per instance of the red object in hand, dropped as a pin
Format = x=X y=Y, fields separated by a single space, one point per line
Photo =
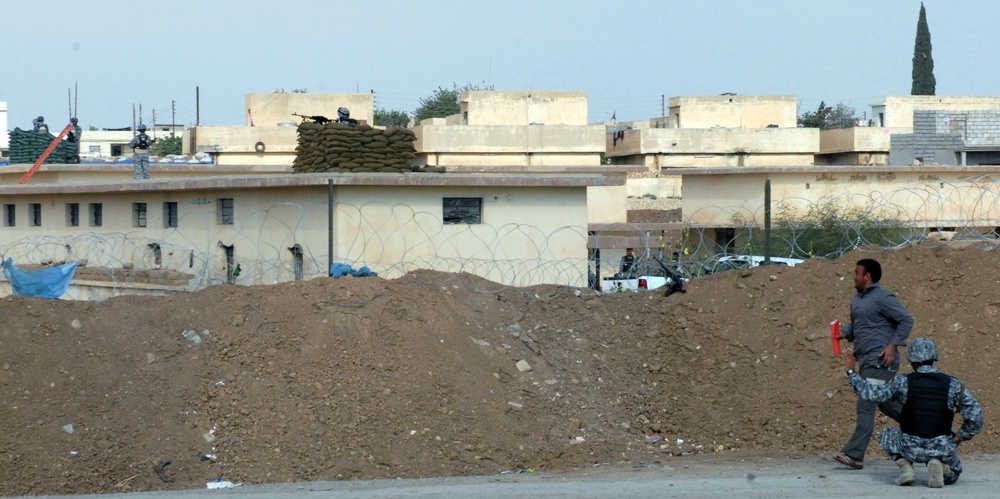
x=834 y=332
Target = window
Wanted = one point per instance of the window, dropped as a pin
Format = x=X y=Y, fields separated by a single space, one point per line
x=73 y=214
x=35 y=214
x=95 y=150
x=226 y=211
x=96 y=214
x=170 y=214
x=463 y=210
x=9 y=215
x=138 y=214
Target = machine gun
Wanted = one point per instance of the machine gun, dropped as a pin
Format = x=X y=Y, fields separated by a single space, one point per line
x=322 y=120
x=675 y=285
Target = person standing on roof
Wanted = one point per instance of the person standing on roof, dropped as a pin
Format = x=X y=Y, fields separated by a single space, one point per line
x=140 y=145
x=930 y=400
x=75 y=132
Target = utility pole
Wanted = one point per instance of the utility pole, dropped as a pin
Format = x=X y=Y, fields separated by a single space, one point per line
x=197 y=106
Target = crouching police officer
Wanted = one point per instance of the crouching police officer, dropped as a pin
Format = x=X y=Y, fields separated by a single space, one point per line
x=930 y=400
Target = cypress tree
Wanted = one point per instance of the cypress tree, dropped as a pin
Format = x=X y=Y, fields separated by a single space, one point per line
x=923 y=64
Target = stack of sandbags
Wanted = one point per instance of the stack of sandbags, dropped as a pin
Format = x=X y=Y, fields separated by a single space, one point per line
x=333 y=147
x=27 y=146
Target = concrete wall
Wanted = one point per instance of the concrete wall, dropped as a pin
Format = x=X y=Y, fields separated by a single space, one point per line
x=732 y=111
x=524 y=108
x=509 y=145
x=268 y=110
x=658 y=148
x=237 y=145
x=925 y=196
x=897 y=110
x=531 y=233
x=855 y=139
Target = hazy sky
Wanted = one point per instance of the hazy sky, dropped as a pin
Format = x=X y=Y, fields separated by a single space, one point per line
x=626 y=55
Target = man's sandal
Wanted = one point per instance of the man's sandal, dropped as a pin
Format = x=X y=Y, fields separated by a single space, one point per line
x=849 y=461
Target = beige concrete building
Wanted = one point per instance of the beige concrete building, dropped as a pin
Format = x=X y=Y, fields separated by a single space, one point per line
x=733 y=111
x=717 y=200
x=524 y=129
x=854 y=146
x=269 y=137
x=529 y=132
x=896 y=111
x=717 y=131
x=269 y=110
x=511 y=229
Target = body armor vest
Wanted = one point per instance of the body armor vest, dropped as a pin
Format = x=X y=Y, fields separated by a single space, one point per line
x=926 y=412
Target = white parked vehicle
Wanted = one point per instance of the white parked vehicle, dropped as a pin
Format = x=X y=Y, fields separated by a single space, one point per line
x=733 y=262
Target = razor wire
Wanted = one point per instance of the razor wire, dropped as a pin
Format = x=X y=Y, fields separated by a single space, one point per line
x=282 y=242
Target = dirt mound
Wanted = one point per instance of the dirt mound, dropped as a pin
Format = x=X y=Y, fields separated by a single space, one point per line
x=429 y=375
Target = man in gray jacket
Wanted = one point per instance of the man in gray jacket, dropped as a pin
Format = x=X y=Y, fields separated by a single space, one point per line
x=879 y=325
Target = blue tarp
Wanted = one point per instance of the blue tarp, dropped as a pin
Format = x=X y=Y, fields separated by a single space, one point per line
x=45 y=283
x=342 y=269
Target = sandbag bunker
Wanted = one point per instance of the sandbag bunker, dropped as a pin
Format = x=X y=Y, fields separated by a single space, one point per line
x=336 y=147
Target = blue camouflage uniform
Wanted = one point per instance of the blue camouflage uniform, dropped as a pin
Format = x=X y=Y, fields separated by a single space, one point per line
x=141 y=156
x=897 y=444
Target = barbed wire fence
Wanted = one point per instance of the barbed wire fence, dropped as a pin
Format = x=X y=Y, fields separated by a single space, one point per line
x=280 y=243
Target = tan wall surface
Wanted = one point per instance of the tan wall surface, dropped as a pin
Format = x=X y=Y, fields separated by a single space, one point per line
x=269 y=110
x=925 y=196
x=898 y=109
x=486 y=139
x=244 y=138
x=855 y=139
x=509 y=159
x=524 y=108
x=607 y=204
x=733 y=111
x=714 y=141
x=529 y=235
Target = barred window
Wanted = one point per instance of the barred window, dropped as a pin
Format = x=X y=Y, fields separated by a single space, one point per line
x=96 y=214
x=138 y=214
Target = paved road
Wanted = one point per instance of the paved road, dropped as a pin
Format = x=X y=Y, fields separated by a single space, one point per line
x=688 y=477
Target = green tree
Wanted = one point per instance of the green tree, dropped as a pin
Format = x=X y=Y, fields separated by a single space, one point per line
x=826 y=117
x=392 y=118
x=444 y=101
x=166 y=145
x=923 y=64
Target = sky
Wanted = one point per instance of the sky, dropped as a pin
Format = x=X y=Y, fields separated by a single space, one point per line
x=201 y=57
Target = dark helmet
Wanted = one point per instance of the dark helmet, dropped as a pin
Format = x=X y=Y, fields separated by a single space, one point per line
x=344 y=113
x=921 y=350
x=73 y=119
x=41 y=118
x=142 y=128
